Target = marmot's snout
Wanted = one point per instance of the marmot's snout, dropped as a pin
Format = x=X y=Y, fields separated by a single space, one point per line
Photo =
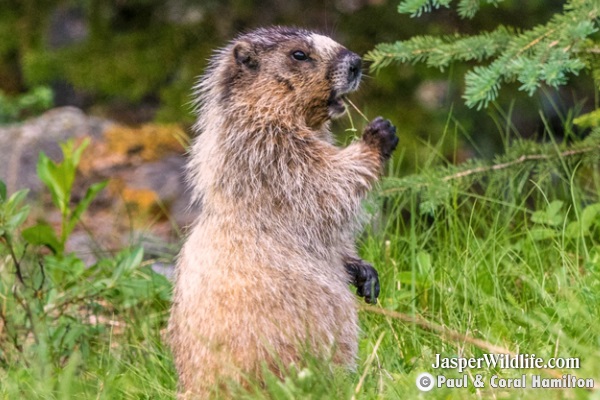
x=345 y=79
x=354 y=70
x=348 y=72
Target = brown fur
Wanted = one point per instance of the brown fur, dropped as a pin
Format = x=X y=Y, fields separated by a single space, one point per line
x=261 y=276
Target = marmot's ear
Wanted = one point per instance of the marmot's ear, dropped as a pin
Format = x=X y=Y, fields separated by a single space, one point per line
x=245 y=54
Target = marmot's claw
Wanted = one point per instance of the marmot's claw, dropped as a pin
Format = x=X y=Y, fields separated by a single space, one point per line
x=381 y=134
x=365 y=278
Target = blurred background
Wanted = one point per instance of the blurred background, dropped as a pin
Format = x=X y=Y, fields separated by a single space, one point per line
x=120 y=73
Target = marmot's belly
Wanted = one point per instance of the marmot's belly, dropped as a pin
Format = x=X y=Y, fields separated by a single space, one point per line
x=255 y=310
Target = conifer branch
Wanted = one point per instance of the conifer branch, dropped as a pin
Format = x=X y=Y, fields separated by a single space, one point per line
x=546 y=54
x=537 y=40
x=540 y=156
x=520 y=160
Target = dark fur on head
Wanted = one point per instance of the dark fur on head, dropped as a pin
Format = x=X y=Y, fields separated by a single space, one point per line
x=306 y=92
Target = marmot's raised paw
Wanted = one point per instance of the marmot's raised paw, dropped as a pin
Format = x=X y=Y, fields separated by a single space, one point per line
x=365 y=278
x=381 y=134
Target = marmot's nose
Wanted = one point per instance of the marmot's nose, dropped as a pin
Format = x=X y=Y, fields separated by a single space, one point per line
x=354 y=71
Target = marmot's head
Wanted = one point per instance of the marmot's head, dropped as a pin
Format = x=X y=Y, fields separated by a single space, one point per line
x=281 y=74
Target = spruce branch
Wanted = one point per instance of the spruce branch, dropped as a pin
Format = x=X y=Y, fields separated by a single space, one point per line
x=468 y=8
x=546 y=54
x=417 y=7
x=523 y=156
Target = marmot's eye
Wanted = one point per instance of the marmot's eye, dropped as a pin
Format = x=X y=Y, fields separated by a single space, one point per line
x=299 y=55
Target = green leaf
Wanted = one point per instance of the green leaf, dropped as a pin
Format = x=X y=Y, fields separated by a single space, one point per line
x=71 y=158
x=43 y=235
x=12 y=214
x=538 y=234
x=59 y=177
x=90 y=195
x=54 y=179
x=17 y=218
x=551 y=216
x=66 y=272
x=420 y=280
x=589 y=215
x=15 y=200
x=70 y=338
x=2 y=191
x=127 y=261
x=424 y=263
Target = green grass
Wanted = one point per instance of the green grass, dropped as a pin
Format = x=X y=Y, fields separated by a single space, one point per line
x=507 y=258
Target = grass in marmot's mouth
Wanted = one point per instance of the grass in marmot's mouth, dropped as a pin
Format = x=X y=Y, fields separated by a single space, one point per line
x=480 y=259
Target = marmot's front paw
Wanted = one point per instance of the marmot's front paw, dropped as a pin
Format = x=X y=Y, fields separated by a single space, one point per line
x=365 y=278
x=381 y=135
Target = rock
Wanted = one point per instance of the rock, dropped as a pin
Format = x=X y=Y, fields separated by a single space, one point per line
x=144 y=165
x=21 y=144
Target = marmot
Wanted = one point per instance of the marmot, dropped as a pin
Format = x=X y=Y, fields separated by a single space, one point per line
x=264 y=274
